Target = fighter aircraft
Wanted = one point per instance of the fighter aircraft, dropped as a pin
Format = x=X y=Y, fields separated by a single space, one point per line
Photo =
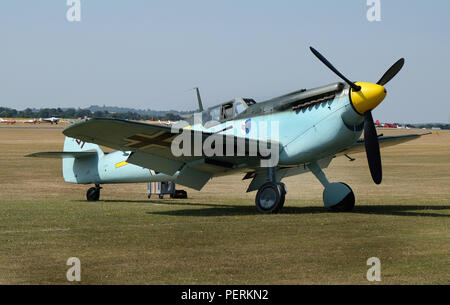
x=314 y=126
x=7 y=121
x=51 y=120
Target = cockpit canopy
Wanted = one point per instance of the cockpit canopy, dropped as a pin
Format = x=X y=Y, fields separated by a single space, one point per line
x=227 y=110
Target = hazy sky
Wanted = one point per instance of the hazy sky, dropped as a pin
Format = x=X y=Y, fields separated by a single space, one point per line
x=148 y=54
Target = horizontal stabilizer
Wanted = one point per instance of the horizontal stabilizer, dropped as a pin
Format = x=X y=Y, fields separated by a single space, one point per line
x=63 y=154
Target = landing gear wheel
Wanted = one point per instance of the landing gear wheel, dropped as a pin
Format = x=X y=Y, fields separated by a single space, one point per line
x=179 y=194
x=93 y=194
x=341 y=193
x=284 y=191
x=161 y=196
x=270 y=198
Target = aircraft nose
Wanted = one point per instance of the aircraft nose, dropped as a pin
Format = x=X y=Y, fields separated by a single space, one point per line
x=369 y=97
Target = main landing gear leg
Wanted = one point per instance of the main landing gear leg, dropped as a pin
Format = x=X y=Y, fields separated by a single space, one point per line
x=338 y=196
x=271 y=195
x=93 y=194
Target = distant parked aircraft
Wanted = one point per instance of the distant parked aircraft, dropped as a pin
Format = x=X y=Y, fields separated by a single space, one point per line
x=168 y=123
x=386 y=125
x=51 y=120
x=7 y=121
x=33 y=121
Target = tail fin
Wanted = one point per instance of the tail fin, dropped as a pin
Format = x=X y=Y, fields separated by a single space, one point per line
x=81 y=170
x=74 y=145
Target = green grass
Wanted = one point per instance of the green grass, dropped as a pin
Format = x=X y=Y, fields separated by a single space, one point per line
x=193 y=242
x=216 y=236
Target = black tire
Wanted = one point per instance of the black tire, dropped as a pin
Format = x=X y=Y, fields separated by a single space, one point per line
x=347 y=204
x=161 y=196
x=93 y=194
x=283 y=190
x=179 y=194
x=270 y=198
x=183 y=194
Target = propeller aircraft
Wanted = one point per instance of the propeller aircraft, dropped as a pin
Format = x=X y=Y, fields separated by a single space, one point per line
x=314 y=126
x=7 y=121
x=51 y=120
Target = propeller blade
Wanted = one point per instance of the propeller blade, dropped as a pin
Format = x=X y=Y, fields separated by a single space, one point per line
x=372 y=148
x=391 y=72
x=332 y=68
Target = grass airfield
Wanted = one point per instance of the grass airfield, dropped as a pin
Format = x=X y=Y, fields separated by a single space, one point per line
x=216 y=236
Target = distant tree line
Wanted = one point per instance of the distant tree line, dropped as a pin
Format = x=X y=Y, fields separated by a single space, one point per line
x=127 y=114
x=72 y=113
x=432 y=125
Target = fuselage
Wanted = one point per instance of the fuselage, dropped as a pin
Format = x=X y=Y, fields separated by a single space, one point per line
x=305 y=130
x=304 y=135
x=101 y=167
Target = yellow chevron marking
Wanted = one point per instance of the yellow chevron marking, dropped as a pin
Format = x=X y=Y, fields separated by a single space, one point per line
x=121 y=164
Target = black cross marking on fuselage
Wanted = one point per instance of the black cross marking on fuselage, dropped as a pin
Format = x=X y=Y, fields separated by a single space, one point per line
x=141 y=141
x=79 y=142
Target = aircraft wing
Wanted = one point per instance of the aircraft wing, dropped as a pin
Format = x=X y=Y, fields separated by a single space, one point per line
x=63 y=154
x=151 y=148
x=259 y=176
x=385 y=141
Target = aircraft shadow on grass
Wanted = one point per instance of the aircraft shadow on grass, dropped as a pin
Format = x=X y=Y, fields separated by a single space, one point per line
x=209 y=209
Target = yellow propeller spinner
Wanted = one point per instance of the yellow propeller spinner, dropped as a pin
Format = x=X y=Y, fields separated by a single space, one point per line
x=369 y=97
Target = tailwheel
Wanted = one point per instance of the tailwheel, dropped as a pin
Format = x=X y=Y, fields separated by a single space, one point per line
x=93 y=194
x=270 y=198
